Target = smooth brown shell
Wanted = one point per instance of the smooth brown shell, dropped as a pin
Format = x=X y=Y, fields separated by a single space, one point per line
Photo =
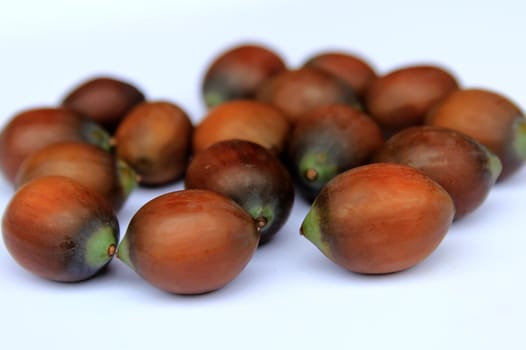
x=36 y=128
x=379 y=218
x=155 y=140
x=329 y=140
x=462 y=166
x=103 y=99
x=190 y=241
x=402 y=97
x=247 y=120
x=249 y=174
x=354 y=70
x=47 y=223
x=238 y=72
x=296 y=92
x=91 y=166
x=488 y=117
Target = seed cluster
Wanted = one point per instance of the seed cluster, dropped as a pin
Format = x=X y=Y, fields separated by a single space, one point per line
x=387 y=162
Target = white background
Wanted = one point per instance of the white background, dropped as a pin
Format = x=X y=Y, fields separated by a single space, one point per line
x=470 y=294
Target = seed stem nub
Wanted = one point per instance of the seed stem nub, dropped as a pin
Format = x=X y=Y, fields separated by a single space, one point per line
x=311 y=174
x=261 y=222
x=111 y=249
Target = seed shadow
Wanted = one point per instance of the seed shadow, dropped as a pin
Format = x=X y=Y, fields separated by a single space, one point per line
x=141 y=289
x=466 y=223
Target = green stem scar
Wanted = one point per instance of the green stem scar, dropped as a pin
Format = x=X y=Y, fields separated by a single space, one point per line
x=100 y=247
x=213 y=98
x=127 y=177
x=123 y=253
x=98 y=136
x=519 y=143
x=311 y=229
x=263 y=216
x=317 y=167
x=495 y=166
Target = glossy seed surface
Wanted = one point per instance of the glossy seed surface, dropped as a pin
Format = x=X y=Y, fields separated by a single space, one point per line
x=155 y=140
x=466 y=169
x=402 y=98
x=248 y=120
x=96 y=169
x=59 y=230
x=189 y=241
x=490 y=118
x=104 y=99
x=327 y=141
x=249 y=174
x=238 y=72
x=296 y=92
x=35 y=128
x=379 y=218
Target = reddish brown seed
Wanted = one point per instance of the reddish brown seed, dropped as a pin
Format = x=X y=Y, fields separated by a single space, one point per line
x=249 y=174
x=189 y=241
x=155 y=140
x=59 y=230
x=296 y=92
x=327 y=141
x=354 y=70
x=36 y=128
x=98 y=170
x=461 y=165
x=104 y=100
x=379 y=218
x=247 y=120
x=402 y=98
x=238 y=72
x=491 y=119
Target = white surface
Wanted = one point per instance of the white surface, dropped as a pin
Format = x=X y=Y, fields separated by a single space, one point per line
x=468 y=295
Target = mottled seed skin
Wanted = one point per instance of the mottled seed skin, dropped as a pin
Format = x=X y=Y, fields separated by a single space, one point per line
x=379 y=218
x=189 y=241
x=462 y=166
x=155 y=140
x=248 y=120
x=491 y=119
x=402 y=98
x=104 y=99
x=327 y=141
x=352 y=69
x=35 y=128
x=238 y=72
x=250 y=175
x=296 y=92
x=59 y=230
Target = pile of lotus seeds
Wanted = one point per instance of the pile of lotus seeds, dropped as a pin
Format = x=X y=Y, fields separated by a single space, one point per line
x=386 y=162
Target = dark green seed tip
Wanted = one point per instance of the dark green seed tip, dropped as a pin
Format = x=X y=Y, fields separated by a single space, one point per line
x=263 y=216
x=311 y=229
x=127 y=177
x=100 y=247
x=317 y=167
x=495 y=166
x=519 y=143
x=213 y=98
x=98 y=136
x=123 y=253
